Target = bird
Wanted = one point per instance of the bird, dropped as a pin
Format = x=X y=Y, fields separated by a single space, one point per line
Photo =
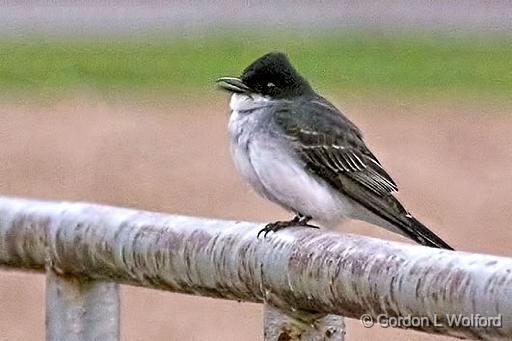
x=296 y=149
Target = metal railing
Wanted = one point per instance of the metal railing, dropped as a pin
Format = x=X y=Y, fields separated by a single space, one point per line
x=306 y=278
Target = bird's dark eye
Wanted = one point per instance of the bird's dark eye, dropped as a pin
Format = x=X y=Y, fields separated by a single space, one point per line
x=270 y=85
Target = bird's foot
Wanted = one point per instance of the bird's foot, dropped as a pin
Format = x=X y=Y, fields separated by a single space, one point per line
x=298 y=220
x=278 y=225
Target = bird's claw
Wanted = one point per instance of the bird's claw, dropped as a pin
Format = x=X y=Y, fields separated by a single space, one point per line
x=298 y=220
x=276 y=226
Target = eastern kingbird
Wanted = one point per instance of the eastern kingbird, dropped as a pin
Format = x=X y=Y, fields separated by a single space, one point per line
x=297 y=150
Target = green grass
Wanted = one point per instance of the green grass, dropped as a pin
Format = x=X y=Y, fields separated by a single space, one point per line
x=353 y=64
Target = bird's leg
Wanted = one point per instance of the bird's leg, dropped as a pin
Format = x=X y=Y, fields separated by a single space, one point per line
x=298 y=220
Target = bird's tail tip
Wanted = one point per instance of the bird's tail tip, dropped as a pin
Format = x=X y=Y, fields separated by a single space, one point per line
x=422 y=235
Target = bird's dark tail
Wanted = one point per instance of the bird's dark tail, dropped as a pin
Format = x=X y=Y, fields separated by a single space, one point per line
x=394 y=216
x=393 y=213
x=422 y=235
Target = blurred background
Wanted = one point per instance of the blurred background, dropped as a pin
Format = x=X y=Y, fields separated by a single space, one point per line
x=115 y=102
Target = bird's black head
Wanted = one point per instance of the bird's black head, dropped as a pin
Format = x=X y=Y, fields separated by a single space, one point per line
x=270 y=75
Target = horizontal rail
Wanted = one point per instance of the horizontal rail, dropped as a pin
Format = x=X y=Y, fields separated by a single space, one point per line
x=297 y=269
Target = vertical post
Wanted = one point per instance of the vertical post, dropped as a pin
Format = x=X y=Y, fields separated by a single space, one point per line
x=81 y=309
x=280 y=326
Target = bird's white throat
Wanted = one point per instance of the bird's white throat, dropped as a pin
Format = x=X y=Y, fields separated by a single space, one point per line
x=241 y=102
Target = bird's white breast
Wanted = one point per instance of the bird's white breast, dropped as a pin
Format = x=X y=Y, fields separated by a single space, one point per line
x=241 y=128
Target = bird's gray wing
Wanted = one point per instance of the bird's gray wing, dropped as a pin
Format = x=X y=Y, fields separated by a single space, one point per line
x=332 y=148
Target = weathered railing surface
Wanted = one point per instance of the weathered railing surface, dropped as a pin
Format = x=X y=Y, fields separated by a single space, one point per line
x=301 y=274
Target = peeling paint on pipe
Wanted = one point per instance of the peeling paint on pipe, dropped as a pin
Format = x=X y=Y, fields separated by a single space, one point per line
x=305 y=269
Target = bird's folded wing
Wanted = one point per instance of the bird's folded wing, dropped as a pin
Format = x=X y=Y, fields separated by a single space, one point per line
x=332 y=147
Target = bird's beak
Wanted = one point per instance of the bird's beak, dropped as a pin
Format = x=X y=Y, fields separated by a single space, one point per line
x=233 y=84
